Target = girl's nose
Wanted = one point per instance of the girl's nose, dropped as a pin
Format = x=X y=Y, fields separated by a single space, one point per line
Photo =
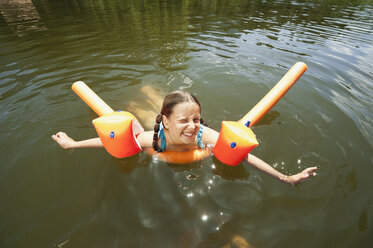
x=191 y=125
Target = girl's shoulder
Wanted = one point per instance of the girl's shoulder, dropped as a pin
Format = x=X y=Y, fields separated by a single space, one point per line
x=209 y=136
x=145 y=139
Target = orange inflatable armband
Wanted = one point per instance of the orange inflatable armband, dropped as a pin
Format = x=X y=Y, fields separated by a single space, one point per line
x=117 y=134
x=117 y=130
x=235 y=141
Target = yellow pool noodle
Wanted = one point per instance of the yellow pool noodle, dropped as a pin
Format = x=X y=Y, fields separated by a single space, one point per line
x=274 y=95
x=90 y=98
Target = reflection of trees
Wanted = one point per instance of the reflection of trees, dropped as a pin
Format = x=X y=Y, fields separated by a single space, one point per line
x=20 y=15
x=163 y=29
x=163 y=18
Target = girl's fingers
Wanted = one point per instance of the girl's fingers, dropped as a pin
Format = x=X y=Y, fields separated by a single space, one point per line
x=304 y=175
x=311 y=170
x=60 y=135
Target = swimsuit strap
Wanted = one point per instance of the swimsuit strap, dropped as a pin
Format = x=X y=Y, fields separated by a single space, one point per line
x=162 y=136
x=199 y=137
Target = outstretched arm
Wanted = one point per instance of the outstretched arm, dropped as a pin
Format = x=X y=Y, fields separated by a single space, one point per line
x=210 y=136
x=294 y=179
x=68 y=143
x=144 y=139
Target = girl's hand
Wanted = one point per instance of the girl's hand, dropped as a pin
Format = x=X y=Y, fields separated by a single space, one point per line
x=63 y=140
x=297 y=178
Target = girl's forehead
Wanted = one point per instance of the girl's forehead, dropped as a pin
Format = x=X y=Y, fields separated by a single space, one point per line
x=186 y=109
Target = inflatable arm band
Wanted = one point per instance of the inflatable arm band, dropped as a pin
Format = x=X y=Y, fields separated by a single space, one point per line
x=236 y=139
x=117 y=130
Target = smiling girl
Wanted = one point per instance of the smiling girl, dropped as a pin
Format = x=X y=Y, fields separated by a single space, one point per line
x=179 y=127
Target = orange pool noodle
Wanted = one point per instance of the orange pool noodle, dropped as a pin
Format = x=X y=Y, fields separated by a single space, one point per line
x=234 y=143
x=274 y=95
x=90 y=98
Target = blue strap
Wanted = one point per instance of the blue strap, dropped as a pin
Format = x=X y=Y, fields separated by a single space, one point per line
x=162 y=137
x=199 y=137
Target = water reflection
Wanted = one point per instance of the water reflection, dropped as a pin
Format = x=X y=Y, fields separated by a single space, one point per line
x=21 y=16
x=228 y=53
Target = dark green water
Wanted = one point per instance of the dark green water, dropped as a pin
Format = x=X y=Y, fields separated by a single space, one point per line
x=228 y=53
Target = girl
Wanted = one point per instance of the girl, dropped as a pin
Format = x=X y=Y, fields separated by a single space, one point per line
x=179 y=127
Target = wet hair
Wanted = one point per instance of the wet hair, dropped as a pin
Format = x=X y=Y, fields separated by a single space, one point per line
x=169 y=103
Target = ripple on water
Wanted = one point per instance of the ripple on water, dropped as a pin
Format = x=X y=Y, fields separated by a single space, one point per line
x=229 y=54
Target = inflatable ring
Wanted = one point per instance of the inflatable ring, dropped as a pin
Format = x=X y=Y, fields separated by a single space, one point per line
x=176 y=157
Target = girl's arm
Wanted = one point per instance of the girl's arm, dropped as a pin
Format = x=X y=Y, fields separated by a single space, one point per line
x=144 y=138
x=294 y=179
x=210 y=136
x=68 y=143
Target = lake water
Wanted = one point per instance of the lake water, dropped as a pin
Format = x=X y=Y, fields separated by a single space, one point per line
x=229 y=54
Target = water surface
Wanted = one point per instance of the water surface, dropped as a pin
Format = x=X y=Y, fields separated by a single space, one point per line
x=227 y=53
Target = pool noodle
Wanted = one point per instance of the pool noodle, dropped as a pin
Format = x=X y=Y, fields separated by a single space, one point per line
x=274 y=95
x=90 y=98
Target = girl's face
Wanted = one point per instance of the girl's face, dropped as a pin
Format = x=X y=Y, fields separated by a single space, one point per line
x=184 y=123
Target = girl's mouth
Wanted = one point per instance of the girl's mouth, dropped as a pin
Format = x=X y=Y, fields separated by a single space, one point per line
x=189 y=135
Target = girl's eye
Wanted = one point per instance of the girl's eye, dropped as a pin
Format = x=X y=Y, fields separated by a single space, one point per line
x=184 y=121
x=197 y=120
